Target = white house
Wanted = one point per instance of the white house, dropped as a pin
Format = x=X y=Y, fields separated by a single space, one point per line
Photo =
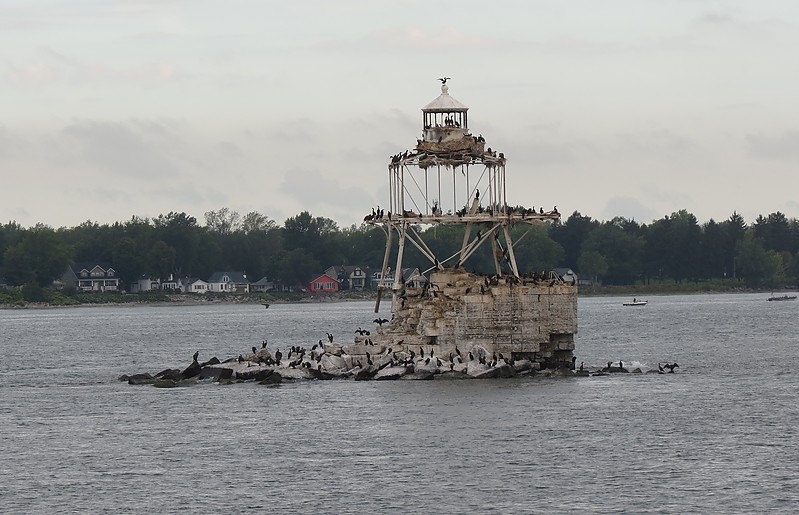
x=412 y=278
x=194 y=285
x=172 y=283
x=144 y=284
x=229 y=282
x=567 y=274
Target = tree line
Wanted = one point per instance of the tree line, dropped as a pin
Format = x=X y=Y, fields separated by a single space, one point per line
x=621 y=251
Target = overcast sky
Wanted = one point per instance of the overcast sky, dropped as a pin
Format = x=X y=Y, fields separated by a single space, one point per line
x=634 y=108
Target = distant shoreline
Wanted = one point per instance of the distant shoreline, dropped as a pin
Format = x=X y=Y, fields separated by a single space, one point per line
x=165 y=300
x=188 y=300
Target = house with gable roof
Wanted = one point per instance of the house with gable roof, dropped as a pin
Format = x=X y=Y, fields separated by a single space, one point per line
x=567 y=274
x=91 y=277
x=144 y=284
x=411 y=277
x=228 y=282
x=324 y=284
x=262 y=285
x=194 y=285
x=350 y=277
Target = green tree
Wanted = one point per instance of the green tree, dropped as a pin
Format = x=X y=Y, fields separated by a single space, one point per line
x=685 y=243
x=593 y=265
x=296 y=266
x=713 y=252
x=571 y=235
x=161 y=259
x=733 y=230
x=127 y=260
x=10 y=234
x=254 y=222
x=757 y=266
x=317 y=235
x=209 y=256
x=622 y=250
x=90 y=241
x=181 y=232
x=774 y=230
x=40 y=257
x=536 y=250
x=222 y=221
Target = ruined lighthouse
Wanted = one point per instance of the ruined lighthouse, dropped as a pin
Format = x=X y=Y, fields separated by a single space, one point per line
x=453 y=177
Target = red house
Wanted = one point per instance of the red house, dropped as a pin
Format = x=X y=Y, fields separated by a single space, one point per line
x=323 y=284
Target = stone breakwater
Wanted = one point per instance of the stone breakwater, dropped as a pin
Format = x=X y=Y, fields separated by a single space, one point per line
x=460 y=325
x=359 y=362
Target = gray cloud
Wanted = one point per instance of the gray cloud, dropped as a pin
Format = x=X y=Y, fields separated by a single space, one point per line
x=657 y=192
x=117 y=150
x=628 y=207
x=783 y=146
x=660 y=144
x=313 y=190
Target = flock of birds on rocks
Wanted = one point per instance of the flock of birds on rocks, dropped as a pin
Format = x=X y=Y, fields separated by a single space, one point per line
x=425 y=359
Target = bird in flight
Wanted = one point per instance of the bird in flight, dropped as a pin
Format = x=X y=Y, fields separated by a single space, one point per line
x=444 y=79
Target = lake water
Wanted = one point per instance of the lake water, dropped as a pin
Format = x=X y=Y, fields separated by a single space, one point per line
x=717 y=436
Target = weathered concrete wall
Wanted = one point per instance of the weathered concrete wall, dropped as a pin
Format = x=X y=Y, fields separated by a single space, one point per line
x=520 y=319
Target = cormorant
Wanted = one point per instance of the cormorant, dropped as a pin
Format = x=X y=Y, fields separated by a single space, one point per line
x=254 y=350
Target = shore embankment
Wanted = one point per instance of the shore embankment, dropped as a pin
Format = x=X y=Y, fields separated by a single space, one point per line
x=14 y=298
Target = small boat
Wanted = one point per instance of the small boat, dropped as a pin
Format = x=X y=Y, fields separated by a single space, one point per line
x=783 y=297
x=635 y=302
x=265 y=304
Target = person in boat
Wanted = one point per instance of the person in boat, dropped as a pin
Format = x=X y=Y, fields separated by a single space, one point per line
x=633 y=300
